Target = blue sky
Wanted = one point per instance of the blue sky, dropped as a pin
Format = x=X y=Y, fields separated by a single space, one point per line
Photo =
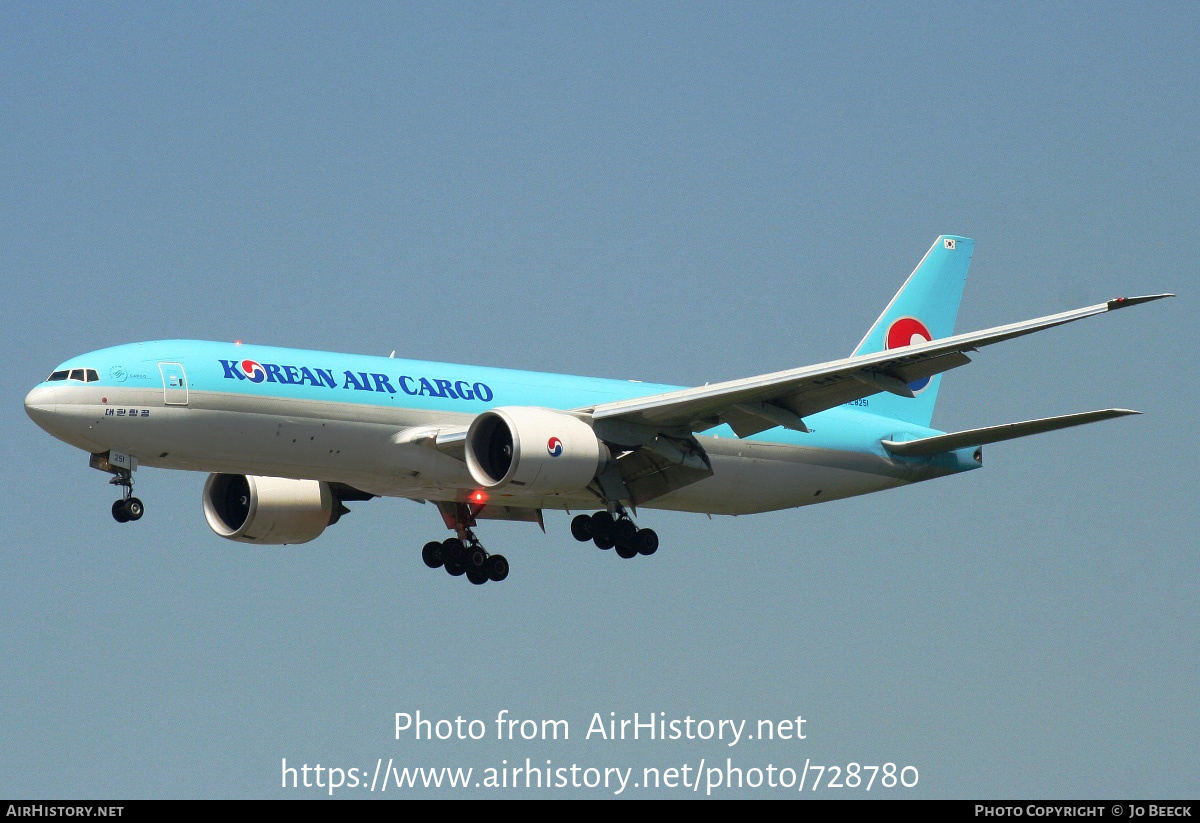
x=671 y=192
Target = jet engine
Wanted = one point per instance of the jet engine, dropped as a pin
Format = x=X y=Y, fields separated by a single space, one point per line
x=533 y=451
x=271 y=510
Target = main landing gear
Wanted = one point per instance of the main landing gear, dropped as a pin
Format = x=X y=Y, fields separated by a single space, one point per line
x=617 y=529
x=469 y=557
x=464 y=554
x=128 y=508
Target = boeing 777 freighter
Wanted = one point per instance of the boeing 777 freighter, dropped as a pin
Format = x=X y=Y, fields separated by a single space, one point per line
x=290 y=436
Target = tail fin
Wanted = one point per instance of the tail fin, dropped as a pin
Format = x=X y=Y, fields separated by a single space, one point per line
x=925 y=308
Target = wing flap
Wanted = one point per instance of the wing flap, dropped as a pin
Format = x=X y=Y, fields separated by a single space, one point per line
x=648 y=474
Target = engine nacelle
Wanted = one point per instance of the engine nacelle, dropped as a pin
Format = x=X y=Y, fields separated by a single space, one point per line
x=533 y=451
x=272 y=510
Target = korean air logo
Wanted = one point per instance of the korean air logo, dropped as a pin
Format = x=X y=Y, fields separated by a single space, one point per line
x=908 y=331
x=554 y=447
x=254 y=372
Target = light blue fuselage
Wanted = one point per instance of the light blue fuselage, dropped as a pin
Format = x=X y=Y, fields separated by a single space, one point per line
x=245 y=409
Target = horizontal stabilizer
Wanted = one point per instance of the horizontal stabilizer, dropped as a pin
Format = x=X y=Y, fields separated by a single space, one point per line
x=995 y=434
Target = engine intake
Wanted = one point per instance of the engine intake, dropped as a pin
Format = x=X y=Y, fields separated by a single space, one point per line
x=272 y=510
x=533 y=450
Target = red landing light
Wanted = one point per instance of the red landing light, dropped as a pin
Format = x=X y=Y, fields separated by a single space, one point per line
x=478 y=497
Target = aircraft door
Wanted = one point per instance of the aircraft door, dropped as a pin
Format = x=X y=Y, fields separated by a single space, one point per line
x=175 y=389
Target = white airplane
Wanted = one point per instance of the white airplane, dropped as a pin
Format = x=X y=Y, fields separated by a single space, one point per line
x=289 y=436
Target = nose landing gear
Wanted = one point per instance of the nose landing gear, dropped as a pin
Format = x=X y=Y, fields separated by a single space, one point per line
x=128 y=508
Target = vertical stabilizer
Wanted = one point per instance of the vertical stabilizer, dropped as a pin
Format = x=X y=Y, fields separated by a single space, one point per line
x=925 y=308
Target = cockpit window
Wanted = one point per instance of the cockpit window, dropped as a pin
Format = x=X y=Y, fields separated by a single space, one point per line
x=82 y=375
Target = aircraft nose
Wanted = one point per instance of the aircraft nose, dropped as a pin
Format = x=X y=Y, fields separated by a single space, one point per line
x=41 y=405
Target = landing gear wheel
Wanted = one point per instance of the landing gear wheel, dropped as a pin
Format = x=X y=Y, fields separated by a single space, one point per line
x=623 y=533
x=477 y=577
x=646 y=541
x=453 y=551
x=118 y=511
x=134 y=509
x=476 y=557
x=432 y=554
x=626 y=551
x=602 y=524
x=602 y=530
x=497 y=567
x=455 y=568
x=581 y=528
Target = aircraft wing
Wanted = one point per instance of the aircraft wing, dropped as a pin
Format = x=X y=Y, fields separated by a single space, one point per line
x=785 y=398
